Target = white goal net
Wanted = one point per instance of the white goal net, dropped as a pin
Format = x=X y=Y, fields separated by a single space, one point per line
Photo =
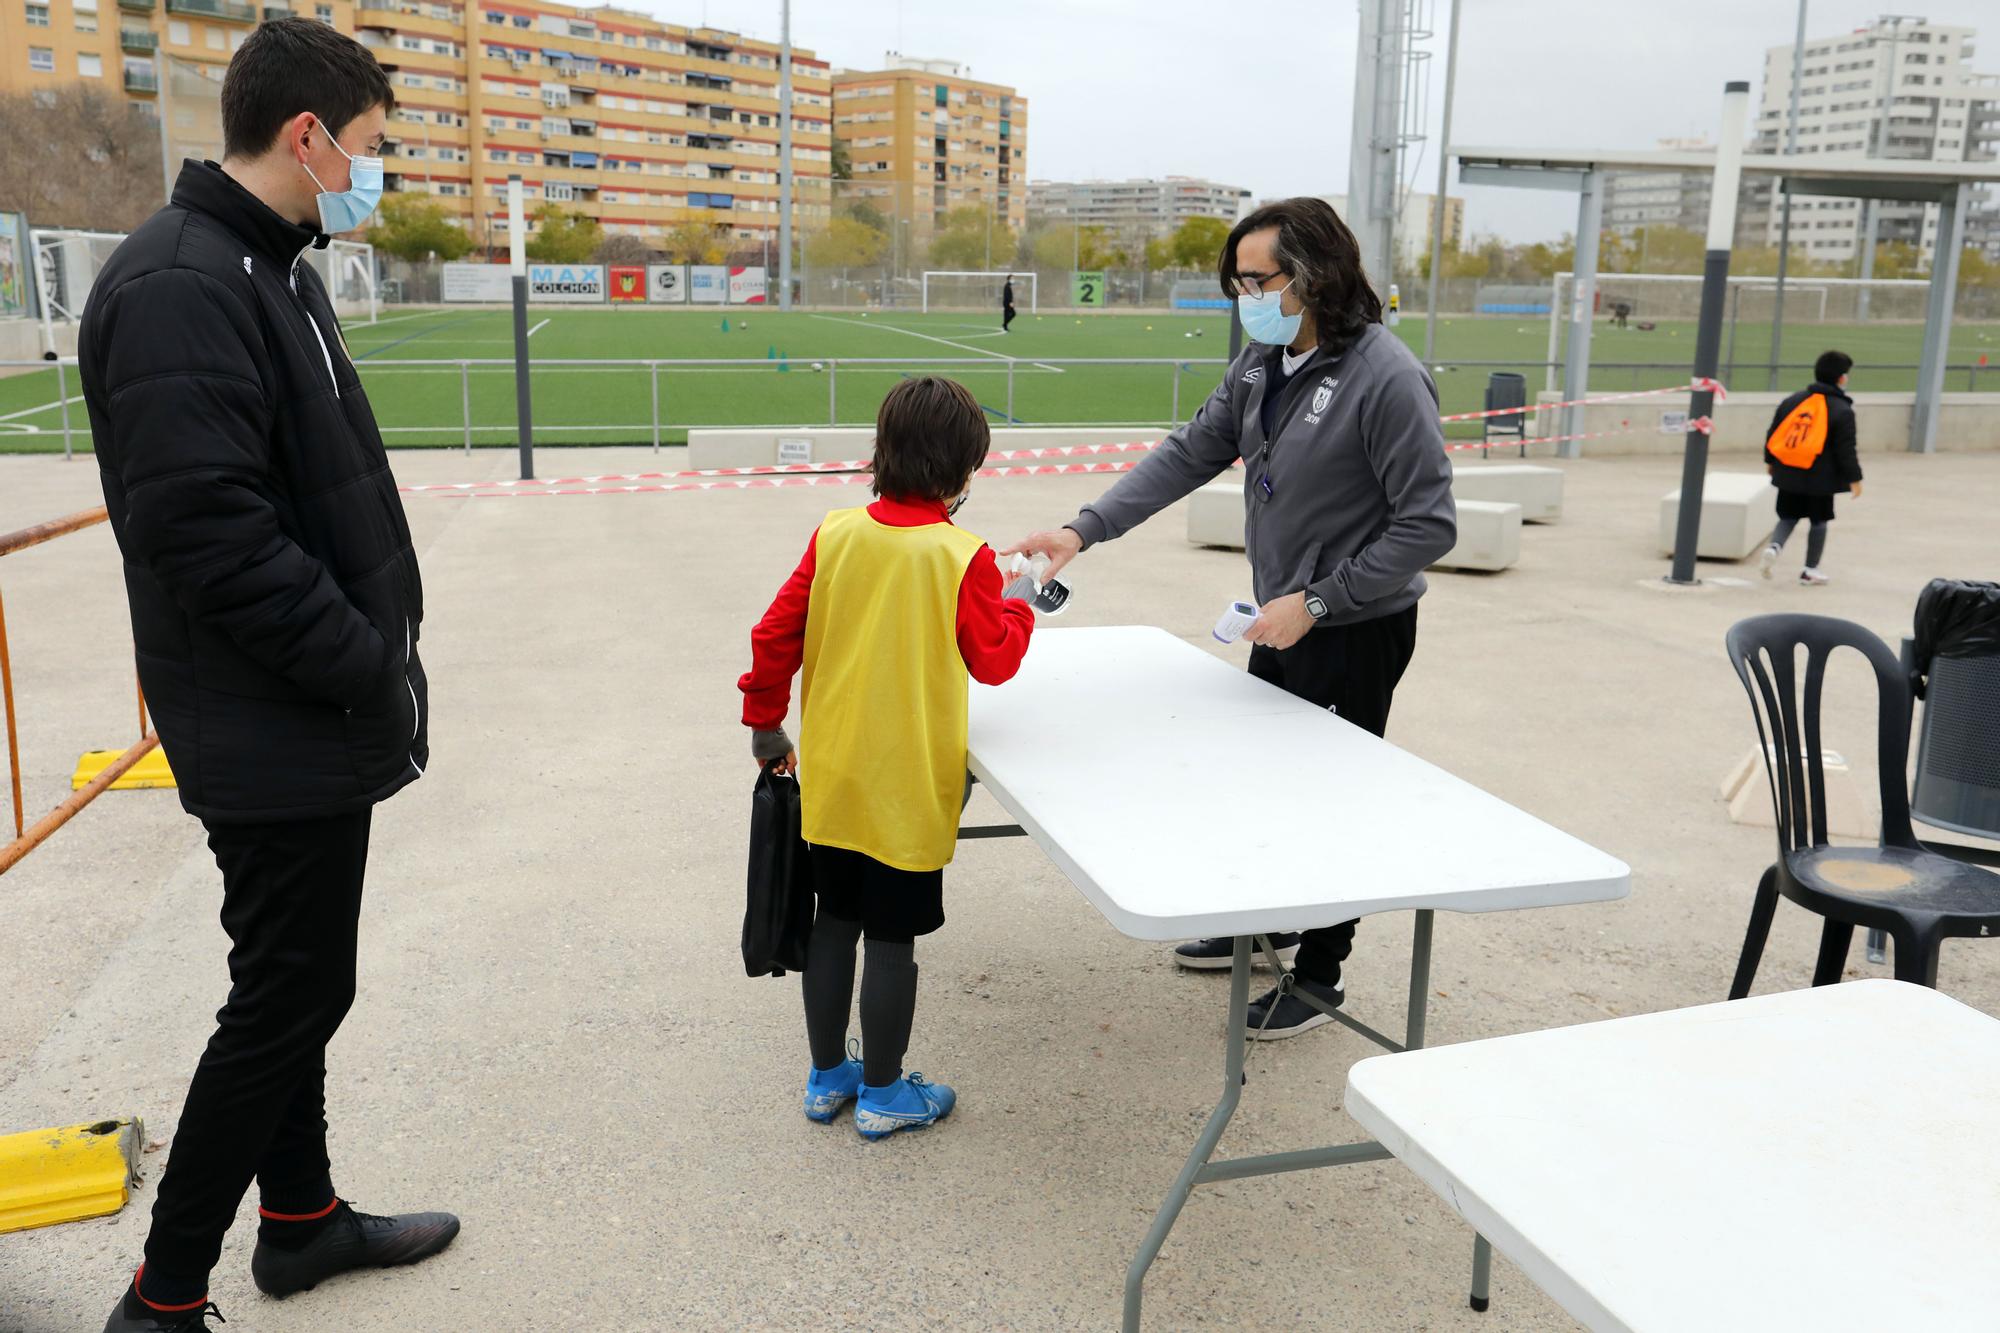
x=66 y=265
x=951 y=289
x=347 y=268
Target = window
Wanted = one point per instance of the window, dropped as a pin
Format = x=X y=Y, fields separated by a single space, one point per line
x=177 y=32
x=324 y=13
x=217 y=39
x=42 y=59
x=237 y=37
x=561 y=191
x=86 y=21
x=90 y=66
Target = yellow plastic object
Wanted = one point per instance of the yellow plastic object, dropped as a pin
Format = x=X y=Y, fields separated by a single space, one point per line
x=152 y=770
x=64 y=1175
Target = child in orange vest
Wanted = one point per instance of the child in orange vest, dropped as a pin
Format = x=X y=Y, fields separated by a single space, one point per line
x=886 y=615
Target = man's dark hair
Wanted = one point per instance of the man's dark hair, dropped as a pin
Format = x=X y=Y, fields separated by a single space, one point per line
x=1320 y=255
x=1831 y=366
x=930 y=437
x=291 y=65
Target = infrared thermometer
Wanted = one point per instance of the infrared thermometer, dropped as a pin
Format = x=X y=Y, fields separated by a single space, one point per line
x=1051 y=597
x=1236 y=619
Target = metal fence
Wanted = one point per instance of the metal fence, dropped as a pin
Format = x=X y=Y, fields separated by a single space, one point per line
x=1142 y=392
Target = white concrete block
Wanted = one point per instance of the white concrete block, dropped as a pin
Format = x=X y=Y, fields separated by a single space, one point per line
x=1215 y=515
x=1538 y=490
x=1489 y=536
x=1738 y=511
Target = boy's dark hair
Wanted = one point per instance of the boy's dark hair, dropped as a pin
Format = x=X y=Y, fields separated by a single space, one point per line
x=291 y=65
x=930 y=437
x=1323 y=259
x=1831 y=366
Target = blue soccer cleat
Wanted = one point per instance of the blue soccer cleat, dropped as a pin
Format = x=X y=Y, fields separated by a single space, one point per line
x=908 y=1103
x=827 y=1090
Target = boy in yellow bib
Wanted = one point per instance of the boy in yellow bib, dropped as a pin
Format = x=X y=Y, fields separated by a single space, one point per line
x=890 y=611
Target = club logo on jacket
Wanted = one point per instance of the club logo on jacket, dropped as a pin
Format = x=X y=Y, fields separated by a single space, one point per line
x=1321 y=397
x=246 y=263
x=1252 y=375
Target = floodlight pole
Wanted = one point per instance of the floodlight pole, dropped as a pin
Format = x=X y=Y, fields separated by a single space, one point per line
x=1785 y=208
x=1439 y=205
x=160 y=105
x=785 y=157
x=1708 y=334
x=517 y=241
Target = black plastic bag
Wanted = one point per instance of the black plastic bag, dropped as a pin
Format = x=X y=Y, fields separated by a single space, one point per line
x=1956 y=618
x=777 y=922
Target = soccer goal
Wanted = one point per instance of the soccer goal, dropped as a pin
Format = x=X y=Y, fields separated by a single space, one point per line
x=66 y=265
x=959 y=289
x=347 y=268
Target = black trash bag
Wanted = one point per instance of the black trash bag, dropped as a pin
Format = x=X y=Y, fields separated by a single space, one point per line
x=777 y=922
x=1956 y=618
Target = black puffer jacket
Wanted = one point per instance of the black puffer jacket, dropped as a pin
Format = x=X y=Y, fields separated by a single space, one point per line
x=1838 y=465
x=275 y=599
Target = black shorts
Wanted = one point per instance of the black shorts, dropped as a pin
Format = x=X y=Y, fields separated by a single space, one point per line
x=890 y=904
x=1814 y=508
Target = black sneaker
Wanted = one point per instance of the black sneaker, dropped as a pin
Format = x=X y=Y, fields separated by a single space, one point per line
x=350 y=1240
x=160 y=1321
x=1291 y=1015
x=1219 y=953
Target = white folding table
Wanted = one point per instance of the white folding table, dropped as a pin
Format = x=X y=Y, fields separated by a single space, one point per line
x=1185 y=798
x=1695 y=1169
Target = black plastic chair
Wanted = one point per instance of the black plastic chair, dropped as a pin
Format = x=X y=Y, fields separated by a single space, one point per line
x=1918 y=897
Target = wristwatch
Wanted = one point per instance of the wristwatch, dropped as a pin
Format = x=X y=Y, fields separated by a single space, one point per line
x=1316 y=606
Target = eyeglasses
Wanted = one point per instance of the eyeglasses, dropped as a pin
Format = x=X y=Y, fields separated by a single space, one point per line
x=1252 y=284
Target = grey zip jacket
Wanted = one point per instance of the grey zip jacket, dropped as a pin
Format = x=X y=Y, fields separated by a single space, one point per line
x=1350 y=499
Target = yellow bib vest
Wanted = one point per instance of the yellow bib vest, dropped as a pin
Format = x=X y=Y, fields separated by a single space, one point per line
x=882 y=732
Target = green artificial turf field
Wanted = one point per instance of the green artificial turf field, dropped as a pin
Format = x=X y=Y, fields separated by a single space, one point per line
x=772 y=379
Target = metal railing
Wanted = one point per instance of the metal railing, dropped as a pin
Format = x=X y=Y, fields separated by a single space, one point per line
x=27 y=836
x=1607 y=377
x=215 y=9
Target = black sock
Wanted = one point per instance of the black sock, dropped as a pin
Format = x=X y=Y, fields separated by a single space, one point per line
x=164 y=1294
x=888 y=1007
x=829 y=988
x=291 y=1218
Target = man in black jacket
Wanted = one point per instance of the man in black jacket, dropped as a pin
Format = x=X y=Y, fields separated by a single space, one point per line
x=276 y=609
x=1811 y=461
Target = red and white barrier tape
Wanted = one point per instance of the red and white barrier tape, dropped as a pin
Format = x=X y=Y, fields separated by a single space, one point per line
x=850 y=471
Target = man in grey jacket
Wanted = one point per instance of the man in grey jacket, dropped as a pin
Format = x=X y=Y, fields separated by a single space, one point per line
x=1347 y=495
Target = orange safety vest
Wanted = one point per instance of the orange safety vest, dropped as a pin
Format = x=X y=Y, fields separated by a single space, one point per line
x=1800 y=438
x=884 y=691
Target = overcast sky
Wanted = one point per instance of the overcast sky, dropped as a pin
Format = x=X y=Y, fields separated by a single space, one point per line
x=1261 y=94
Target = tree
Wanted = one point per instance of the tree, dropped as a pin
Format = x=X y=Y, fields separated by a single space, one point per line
x=562 y=237
x=843 y=160
x=73 y=156
x=413 y=226
x=1896 y=259
x=1060 y=248
x=624 y=250
x=846 y=242
x=968 y=236
x=1198 y=242
x=694 y=243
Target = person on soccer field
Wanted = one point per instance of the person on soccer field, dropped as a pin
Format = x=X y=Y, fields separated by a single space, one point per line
x=276 y=608
x=889 y=612
x=1810 y=454
x=1007 y=303
x=1349 y=497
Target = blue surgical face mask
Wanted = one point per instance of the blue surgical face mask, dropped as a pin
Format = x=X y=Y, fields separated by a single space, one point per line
x=344 y=210
x=1265 y=320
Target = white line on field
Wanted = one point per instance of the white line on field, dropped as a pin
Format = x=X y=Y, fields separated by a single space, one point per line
x=538 y=328
x=375 y=368
x=864 y=324
x=45 y=407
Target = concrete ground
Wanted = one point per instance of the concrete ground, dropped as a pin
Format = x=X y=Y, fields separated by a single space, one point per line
x=555 y=1038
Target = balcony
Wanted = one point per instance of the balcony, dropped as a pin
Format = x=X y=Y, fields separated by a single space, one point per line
x=233 y=10
x=138 y=42
x=136 y=6
x=141 y=81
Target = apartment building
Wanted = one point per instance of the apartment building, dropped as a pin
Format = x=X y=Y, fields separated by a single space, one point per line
x=1138 y=209
x=923 y=138
x=1900 y=87
x=641 y=124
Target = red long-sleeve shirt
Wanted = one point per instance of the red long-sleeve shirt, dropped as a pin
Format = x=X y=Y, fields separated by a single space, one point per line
x=992 y=631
